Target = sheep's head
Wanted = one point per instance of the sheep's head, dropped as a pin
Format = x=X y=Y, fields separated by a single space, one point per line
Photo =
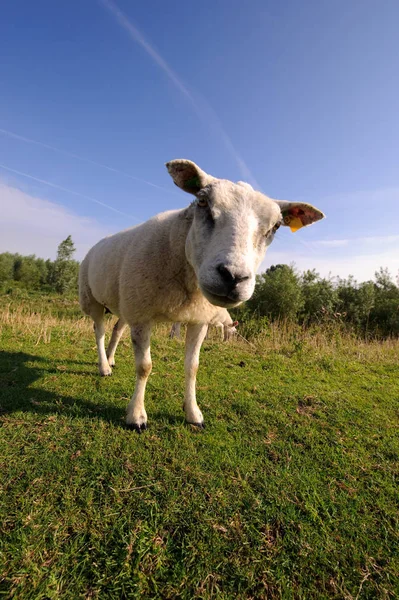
x=232 y=228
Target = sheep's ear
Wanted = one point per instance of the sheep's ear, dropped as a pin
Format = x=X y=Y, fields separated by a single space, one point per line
x=299 y=214
x=188 y=176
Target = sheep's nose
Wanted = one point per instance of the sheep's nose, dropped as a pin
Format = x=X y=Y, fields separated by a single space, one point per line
x=229 y=279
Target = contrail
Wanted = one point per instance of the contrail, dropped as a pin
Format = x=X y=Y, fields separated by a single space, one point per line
x=81 y=158
x=59 y=187
x=205 y=113
x=138 y=37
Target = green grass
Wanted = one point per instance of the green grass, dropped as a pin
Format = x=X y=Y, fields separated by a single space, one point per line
x=291 y=491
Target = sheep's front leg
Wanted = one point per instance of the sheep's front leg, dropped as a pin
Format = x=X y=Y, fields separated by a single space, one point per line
x=194 y=337
x=136 y=417
x=117 y=333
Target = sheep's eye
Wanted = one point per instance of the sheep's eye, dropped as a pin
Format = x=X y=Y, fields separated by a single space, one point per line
x=277 y=226
x=202 y=202
x=273 y=230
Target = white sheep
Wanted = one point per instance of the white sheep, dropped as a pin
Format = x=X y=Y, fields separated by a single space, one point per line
x=225 y=324
x=175 y=331
x=221 y=321
x=181 y=266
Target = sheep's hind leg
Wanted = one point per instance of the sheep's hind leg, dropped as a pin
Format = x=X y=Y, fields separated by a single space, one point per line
x=175 y=331
x=136 y=417
x=117 y=333
x=194 y=337
x=99 y=330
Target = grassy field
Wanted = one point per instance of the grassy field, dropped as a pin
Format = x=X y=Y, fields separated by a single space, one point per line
x=291 y=491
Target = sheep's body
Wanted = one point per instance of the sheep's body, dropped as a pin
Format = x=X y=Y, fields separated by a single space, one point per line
x=163 y=287
x=181 y=266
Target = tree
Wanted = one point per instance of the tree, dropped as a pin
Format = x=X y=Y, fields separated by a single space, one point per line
x=320 y=297
x=355 y=301
x=6 y=267
x=42 y=266
x=27 y=272
x=383 y=279
x=385 y=314
x=66 y=249
x=66 y=269
x=277 y=293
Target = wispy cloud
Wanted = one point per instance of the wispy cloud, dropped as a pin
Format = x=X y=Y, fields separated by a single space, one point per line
x=362 y=267
x=200 y=106
x=379 y=239
x=64 y=189
x=330 y=243
x=32 y=225
x=78 y=157
x=374 y=239
x=361 y=260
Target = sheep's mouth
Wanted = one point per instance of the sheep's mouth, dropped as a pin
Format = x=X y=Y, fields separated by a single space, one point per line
x=222 y=300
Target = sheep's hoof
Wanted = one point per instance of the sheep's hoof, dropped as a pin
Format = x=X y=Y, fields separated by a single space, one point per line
x=136 y=427
x=104 y=369
x=106 y=373
x=197 y=425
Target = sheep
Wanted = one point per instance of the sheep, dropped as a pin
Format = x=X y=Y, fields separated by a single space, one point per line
x=225 y=324
x=222 y=321
x=182 y=266
x=175 y=331
x=229 y=331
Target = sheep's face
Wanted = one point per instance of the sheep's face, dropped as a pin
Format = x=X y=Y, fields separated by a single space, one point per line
x=232 y=228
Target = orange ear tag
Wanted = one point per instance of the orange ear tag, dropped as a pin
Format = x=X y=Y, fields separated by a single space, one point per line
x=295 y=224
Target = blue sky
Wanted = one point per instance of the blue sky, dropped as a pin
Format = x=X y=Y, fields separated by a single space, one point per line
x=299 y=98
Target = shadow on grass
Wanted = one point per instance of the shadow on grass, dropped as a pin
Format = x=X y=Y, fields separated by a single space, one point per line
x=20 y=371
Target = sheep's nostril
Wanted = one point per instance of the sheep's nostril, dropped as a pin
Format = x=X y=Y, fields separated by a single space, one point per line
x=225 y=274
x=239 y=278
x=230 y=279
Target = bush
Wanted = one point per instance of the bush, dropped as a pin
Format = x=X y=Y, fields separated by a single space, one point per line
x=278 y=294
